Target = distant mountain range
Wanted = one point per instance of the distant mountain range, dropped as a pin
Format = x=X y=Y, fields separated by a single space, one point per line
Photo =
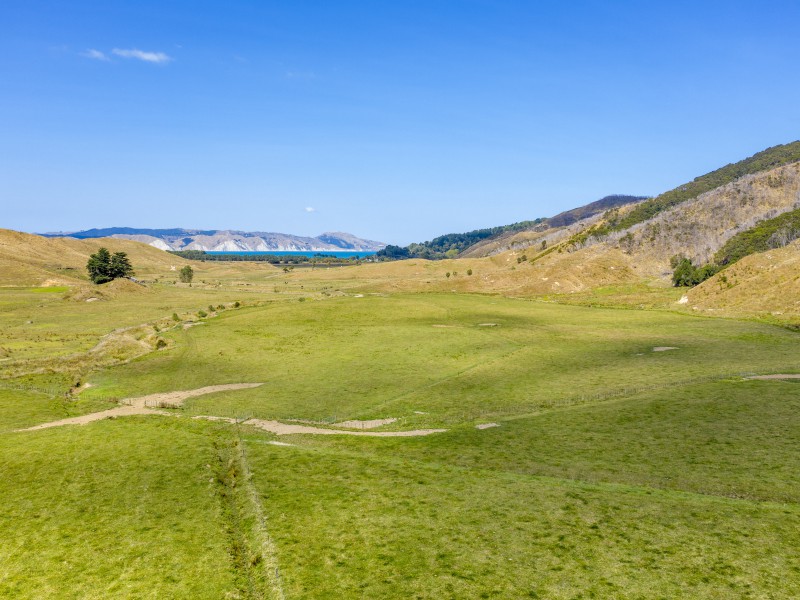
x=215 y=240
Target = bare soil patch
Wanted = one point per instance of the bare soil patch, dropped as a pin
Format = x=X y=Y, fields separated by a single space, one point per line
x=279 y=428
x=664 y=348
x=120 y=411
x=487 y=425
x=175 y=399
x=776 y=376
x=370 y=424
x=143 y=405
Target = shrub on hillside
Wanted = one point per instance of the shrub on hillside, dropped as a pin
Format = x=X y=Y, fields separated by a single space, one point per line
x=685 y=274
x=186 y=274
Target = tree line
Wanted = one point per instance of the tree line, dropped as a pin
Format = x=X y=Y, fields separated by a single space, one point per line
x=450 y=245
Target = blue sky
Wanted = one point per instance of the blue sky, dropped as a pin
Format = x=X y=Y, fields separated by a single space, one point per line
x=396 y=121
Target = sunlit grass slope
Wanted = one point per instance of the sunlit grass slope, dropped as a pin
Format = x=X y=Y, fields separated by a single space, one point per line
x=454 y=358
x=121 y=509
x=388 y=527
x=614 y=471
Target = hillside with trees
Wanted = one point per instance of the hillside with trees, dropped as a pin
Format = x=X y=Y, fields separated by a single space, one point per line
x=451 y=244
x=769 y=234
x=765 y=160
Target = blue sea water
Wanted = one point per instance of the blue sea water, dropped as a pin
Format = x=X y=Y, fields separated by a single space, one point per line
x=310 y=254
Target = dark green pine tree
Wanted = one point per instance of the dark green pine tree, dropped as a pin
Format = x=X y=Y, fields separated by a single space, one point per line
x=99 y=266
x=120 y=266
x=104 y=267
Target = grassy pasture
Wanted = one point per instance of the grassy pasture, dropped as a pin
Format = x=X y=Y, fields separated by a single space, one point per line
x=616 y=472
x=38 y=325
x=732 y=439
x=122 y=509
x=389 y=527
x=398 y=356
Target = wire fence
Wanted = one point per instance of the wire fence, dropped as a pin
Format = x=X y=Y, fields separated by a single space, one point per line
x=52 y=391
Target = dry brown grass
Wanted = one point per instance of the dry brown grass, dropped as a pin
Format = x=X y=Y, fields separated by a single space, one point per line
x=27 y=259
x=33 y=260
x=555 y=273
x=768 y=282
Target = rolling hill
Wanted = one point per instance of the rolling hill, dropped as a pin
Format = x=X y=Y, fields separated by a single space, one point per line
x=27 y=259
x=766 y=282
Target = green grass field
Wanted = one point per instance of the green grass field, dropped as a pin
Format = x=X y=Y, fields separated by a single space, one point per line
x=615 y=471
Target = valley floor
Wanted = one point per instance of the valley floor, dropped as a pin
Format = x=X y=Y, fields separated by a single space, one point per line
x=635 y=453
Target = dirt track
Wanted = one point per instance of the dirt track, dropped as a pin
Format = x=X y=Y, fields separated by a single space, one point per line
x=279 y=428
x=147 y=405
x=171 y=399
x=372 y=424
x=142 y=405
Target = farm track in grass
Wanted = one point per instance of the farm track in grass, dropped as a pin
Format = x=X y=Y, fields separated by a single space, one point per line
x=144 y=405
x=252 y=552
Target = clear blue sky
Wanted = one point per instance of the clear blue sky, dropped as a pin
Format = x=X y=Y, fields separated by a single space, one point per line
x=395 y=120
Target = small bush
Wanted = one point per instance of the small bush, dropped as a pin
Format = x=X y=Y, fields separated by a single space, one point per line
x=202 y=313
x=186 y=274
x=175 y=317
x=469 y=271
x=687 y=275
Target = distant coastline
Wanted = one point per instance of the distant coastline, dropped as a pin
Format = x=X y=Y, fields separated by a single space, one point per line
x=308 y=253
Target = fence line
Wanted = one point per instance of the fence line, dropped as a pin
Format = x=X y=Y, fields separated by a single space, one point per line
x=52 y=391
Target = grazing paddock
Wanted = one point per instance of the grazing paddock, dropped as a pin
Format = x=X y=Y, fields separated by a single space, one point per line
x=579 y=451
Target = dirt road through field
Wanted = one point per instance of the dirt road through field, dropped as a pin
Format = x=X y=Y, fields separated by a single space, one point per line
x=144 y=405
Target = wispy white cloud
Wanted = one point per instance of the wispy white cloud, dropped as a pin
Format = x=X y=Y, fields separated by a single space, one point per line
x=310 y=209
x=151 y=57
x=95 y=54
